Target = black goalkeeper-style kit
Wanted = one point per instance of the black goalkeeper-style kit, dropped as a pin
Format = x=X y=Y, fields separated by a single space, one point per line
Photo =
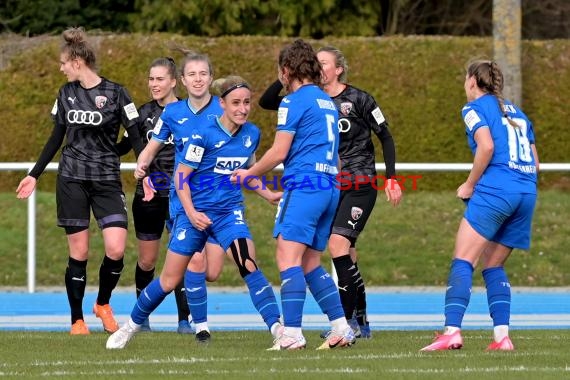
x=162 y=167
x=359 y=115
x=90 y=120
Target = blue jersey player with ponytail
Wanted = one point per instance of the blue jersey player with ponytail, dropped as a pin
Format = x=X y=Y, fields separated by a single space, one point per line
x=500 y=193
x=306 y=142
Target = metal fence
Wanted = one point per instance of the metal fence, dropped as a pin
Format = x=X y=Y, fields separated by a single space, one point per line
x=27 y=166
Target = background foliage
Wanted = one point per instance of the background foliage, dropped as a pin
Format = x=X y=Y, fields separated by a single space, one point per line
x=418 y=81
x=545 y=19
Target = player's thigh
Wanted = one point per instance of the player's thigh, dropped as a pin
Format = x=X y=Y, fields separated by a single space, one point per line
x=108 y=204
x=149 y=217
x=354 y=209
x=516 y=230
x=73 y=205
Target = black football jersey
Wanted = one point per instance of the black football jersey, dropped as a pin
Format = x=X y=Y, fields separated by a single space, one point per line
x=92 y=119
x=162 y=167
x=359 y=115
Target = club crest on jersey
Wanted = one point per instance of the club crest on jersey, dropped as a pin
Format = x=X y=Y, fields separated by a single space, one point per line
x=100 y=101
x=247 y=141
x=345 y=108
x=356 y=213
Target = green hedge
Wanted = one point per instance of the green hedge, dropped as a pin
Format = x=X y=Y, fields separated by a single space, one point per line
x=418 y=81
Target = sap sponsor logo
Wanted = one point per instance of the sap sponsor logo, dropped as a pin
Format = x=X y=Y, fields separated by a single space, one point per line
x=227 y=165
x=84 y=117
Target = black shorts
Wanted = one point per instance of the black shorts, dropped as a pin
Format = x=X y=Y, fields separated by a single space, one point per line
x=354 y=209
x=149 y=217
x=76 y=197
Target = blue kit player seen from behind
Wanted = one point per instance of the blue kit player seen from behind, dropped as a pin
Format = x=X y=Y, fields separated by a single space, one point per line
x=207 y=204
x=306 y=142
x=500 y=193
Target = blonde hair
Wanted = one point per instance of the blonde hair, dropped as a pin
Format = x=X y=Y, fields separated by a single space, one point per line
x=339 y=61
x=223 y=86
x=192 y=56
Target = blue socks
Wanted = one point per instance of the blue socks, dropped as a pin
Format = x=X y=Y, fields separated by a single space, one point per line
x=150 y=298
x=498 y=295
x=263 y=298
x=293 y=294
x=197 y=295
x=458 y=291
x=325 y=292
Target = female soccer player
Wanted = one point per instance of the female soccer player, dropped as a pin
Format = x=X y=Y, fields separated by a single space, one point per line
x=306 y=143
x=150 y=202
x=88 y=112
x=500 y=192
x=206 y=204
x=359 y=116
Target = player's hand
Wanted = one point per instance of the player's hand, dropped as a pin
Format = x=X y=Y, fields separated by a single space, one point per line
x=200 y=220
x=274 y=197
x=465 y=191
x=148 y=189
x=393 y=192
x=238 y=176
x=140 y=171
x=26 y=187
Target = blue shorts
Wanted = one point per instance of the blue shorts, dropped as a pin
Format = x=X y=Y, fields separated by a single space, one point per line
x=502 y=218
x=226 y=227
x=305 y=215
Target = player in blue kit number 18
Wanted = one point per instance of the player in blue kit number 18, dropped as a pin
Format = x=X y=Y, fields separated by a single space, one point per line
x=500 y=193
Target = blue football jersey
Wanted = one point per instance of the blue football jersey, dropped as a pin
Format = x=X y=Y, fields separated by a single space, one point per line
x=214 y=154
x=180 y=122
x=512 y=168
x=311 y=115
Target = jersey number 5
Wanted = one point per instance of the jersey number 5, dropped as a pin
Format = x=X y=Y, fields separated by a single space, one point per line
x=331 y=136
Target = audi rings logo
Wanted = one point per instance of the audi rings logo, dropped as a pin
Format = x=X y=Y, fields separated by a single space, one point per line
x=84 y=117
x=344 y=125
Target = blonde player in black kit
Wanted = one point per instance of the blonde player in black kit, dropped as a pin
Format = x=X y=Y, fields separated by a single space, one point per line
x=88 y=113
x=359 y=117
x=150 y=202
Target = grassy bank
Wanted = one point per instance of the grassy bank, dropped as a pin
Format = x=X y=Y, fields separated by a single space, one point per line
x=410 y=245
